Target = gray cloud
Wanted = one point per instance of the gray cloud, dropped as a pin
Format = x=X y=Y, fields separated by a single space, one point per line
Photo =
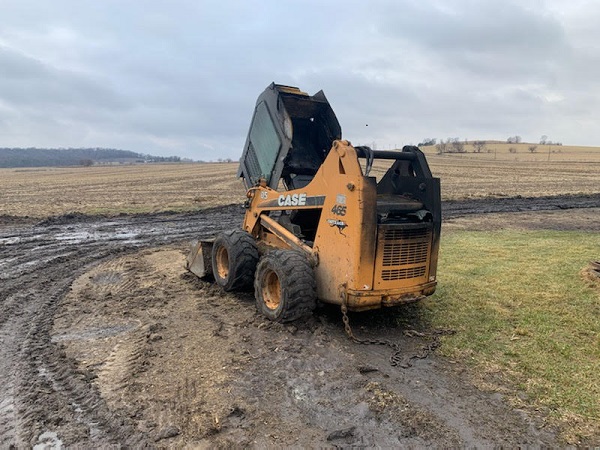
x=182 y=77
x=32 y=84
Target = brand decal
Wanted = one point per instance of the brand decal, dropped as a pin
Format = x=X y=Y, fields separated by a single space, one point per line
x=264 y=195
x=285 y=200
x=292 y=200
x=337 y=223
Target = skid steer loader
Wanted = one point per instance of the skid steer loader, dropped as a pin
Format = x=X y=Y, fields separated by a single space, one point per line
x=316 y=225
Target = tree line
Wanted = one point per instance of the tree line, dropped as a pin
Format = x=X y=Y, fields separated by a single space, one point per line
x=44 y=157
x=456 y=145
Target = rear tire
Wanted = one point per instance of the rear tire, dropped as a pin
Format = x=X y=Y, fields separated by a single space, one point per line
x=234 y=259
x=285 y=286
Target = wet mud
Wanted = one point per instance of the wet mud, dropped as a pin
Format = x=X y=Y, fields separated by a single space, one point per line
x=105 y=339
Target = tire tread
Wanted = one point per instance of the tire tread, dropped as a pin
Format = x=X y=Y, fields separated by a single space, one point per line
x=298 y=284
x=243 y=257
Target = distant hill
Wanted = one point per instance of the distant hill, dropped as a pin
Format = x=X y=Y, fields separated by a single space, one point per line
x=43 y=157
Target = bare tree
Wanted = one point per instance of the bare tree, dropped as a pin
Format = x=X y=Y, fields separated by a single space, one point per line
x=442 y=147
x=532 y=148
x=479 y=146
x=543 y=139
x=514 y=140
x=457 y=145
x=427 y=142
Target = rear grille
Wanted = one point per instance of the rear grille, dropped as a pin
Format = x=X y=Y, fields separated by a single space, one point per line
x=403 y=251
x=402 y=274
x=396 y=253
x=397 y=234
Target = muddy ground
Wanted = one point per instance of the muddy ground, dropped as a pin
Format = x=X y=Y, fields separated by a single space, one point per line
x=105 y=339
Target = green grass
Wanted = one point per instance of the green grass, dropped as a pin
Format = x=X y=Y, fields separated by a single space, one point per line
x=525 y=318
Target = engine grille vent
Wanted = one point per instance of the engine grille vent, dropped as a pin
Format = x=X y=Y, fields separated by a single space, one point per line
x=402 y=274
x=396 y=253
x=399 y=234
x=403 y=252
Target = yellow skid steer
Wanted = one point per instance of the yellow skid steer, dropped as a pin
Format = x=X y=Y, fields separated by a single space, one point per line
x=317 y=227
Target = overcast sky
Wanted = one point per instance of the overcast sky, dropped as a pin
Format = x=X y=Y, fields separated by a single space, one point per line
x=181 y=77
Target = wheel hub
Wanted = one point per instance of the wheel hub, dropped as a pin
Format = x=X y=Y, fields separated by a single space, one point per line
x=271 y=290
x=222 y=263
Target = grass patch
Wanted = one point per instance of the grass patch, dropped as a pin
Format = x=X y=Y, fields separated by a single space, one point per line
x=526 y=319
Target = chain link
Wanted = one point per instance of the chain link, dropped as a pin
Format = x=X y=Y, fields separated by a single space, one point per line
x=396 y=358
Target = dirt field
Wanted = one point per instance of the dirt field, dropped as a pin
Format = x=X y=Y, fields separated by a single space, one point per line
x=138 y=188
x=105 y=339
x=185 y=187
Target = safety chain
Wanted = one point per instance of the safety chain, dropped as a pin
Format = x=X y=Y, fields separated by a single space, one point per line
x=396 y=358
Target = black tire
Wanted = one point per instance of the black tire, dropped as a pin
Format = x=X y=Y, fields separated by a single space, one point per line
x=285 y=286
x=234 y=259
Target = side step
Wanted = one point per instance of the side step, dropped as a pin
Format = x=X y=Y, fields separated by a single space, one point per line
x=199 y=259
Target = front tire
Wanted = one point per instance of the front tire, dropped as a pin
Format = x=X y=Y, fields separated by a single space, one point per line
x=285 y=286
x=234 y=259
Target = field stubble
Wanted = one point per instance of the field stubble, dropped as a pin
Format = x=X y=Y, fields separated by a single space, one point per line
x=184 y=187
x=117 y=189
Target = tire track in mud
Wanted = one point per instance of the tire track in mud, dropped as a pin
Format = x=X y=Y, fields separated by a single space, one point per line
x=460 y=208
x=43 y=386
x=42 y=389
